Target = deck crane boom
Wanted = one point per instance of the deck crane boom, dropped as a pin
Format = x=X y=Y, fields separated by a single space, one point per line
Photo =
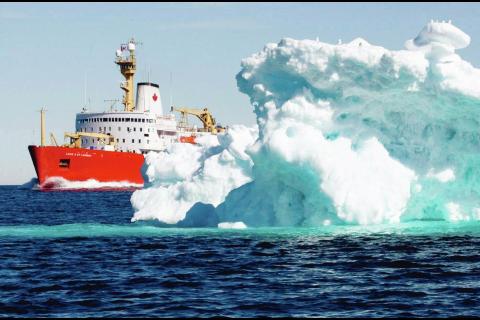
x=76 y=139
x=204 y=115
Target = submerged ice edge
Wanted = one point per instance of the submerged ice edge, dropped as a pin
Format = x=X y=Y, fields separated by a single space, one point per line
x=94 y=230
x=346 y=133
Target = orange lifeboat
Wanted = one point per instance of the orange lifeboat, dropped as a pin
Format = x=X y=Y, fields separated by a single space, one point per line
x=188 y=139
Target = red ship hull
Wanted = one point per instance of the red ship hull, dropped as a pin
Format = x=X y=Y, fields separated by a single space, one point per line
x=78 y=164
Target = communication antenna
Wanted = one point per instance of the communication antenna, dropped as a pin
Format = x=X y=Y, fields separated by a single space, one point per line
x=85 y=89
x=148 y=74
x=171 y=89
x=113 y=102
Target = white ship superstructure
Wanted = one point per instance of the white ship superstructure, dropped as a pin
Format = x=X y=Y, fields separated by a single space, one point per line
x=142 y=130
x=138 y=128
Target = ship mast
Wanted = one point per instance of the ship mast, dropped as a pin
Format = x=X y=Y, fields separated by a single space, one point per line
x=42 y=127
x=128 y=66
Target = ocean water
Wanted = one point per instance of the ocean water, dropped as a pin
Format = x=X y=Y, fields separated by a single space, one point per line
x=76 y=254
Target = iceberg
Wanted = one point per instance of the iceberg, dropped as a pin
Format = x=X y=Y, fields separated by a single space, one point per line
x=348 y=133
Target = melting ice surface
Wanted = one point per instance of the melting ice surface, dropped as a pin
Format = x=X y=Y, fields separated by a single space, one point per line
x=346 y=134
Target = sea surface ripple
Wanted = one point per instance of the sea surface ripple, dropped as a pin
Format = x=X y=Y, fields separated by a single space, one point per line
x=76 y=254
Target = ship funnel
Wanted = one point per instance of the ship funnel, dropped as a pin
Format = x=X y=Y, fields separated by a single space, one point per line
x=148 y=98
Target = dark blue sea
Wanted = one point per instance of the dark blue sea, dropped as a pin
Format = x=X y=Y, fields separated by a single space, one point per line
x=76 y=254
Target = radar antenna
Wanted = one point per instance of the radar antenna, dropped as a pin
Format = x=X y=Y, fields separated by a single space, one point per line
x=128 y=67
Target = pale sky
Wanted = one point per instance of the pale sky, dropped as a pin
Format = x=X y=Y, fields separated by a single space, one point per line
x=47 y=51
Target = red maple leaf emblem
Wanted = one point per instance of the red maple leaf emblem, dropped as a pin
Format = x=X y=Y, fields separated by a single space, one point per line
x=155 y=97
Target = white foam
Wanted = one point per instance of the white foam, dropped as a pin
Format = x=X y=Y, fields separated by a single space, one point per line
x=232 y=225
x=61 y=183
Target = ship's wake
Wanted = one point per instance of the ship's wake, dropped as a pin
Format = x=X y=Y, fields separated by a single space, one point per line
x=347 y=134
x=59 y=183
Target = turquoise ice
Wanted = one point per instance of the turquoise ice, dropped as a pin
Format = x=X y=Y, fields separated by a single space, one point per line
x=347 y=134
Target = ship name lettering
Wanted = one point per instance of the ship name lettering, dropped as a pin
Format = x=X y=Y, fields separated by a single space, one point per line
x=78 y=154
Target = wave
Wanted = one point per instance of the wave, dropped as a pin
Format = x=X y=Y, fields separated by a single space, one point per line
x=59 y=183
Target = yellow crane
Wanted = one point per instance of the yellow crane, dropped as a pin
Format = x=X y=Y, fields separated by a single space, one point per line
x=76 y=139
x=53 y=141
x=203 y=114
